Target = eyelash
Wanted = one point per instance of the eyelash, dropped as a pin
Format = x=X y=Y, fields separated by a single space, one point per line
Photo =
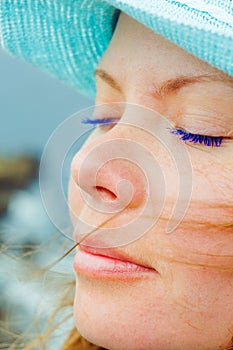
x=100 y=121
x=214 y=141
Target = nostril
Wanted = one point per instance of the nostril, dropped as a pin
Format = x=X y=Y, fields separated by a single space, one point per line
x=106 y=194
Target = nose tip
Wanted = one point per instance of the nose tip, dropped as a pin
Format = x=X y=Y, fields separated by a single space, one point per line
x=117 y=183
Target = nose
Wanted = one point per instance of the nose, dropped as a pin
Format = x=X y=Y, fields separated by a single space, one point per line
x=108 y=175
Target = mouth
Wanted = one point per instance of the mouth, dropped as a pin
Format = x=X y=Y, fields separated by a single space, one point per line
x=109 y=264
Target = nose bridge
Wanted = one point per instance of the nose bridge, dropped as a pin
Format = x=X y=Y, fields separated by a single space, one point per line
x=108 y=170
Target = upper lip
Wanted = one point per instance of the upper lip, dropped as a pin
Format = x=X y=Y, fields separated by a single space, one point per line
x=112 y=253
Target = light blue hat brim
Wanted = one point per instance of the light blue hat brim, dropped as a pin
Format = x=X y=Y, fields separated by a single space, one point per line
x=68 y=37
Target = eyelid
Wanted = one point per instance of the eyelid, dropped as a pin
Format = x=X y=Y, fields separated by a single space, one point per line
x=209 y=122
x=230 y=133
x=214 y=141
x=206 y=140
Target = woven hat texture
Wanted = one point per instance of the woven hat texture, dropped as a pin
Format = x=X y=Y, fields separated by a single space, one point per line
x=68 y=37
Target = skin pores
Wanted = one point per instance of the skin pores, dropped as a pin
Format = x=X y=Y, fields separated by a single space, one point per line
x=188 y=304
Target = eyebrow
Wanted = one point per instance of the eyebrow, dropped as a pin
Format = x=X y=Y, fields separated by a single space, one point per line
x=171 y=86
x=108 y=79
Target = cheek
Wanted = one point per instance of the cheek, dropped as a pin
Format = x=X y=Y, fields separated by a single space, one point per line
x=213 y=173
x=209 y=286
x=212 y=192
x=207 y=294
x=75 y=200
x=203 y=296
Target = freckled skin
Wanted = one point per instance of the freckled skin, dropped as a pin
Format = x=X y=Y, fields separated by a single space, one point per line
x=189 y=305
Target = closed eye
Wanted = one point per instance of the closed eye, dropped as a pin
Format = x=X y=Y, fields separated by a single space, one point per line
x=214 y=141
x=206 y=140
x=100 y=121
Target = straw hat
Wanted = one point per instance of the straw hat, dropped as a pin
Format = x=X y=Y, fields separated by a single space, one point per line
x=68 y=37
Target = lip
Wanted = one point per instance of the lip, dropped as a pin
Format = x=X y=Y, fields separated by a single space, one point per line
x=109 y=264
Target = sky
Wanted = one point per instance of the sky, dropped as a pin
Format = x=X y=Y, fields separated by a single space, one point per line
x=32 y=105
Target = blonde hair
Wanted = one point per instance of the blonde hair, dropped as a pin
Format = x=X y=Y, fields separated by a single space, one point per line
x=76 y=342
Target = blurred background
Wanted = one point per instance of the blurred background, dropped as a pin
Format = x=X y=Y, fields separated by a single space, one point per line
x=32 y=105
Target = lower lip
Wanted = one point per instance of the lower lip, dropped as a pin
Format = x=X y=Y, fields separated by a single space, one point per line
x=98 y=266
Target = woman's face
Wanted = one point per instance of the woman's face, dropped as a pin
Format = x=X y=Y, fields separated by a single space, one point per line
x=183 y=300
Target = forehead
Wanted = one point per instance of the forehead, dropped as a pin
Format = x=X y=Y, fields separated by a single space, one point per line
x=137 y=55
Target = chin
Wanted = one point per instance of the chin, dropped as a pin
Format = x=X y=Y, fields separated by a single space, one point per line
x=111 y=316
x=90 y=321
x=122 y=316
x=95 y=312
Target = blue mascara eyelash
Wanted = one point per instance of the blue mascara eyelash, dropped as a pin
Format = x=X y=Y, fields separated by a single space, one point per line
x=196 y=138
x=100 y=121
x=214 y=141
